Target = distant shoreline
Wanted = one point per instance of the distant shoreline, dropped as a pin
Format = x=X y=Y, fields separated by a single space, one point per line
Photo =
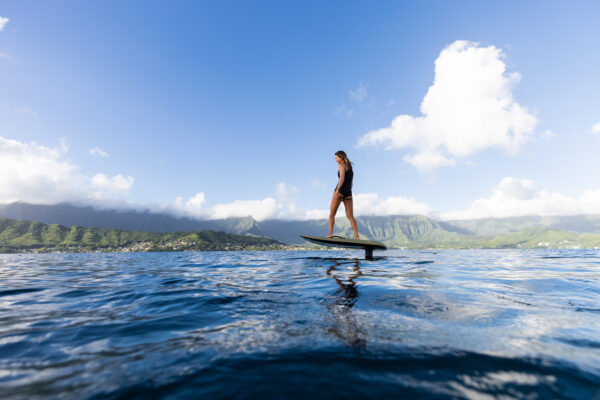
x=411 y=233
x=274 y=248
x=75 y=251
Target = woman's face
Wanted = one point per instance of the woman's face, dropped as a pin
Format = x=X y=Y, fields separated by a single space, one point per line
x=338 y=159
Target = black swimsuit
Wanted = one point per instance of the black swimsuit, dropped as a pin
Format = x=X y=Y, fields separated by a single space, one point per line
x=346 y=189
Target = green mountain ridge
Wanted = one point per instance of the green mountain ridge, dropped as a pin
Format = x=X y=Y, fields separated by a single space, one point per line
x=545 y=238
x=499 y=226
x=414 y=232
x=396 y=231
x=16 y=236
x=421 y=233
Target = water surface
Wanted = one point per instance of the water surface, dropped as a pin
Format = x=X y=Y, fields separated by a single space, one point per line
x=433 y=324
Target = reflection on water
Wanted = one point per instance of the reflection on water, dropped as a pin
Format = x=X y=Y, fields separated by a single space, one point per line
x=346 y=327
x=415 y=324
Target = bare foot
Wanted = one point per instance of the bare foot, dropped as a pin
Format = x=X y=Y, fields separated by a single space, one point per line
x=330 y=235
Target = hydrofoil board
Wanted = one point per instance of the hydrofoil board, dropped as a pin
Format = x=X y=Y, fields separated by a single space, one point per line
x=338 y=241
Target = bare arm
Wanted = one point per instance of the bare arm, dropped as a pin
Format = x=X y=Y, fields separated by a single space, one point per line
x=342 y=176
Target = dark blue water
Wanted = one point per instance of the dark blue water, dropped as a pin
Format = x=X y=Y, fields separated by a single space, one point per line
x=416 y=324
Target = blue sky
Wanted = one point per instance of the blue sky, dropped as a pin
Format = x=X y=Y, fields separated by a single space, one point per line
x=241 y=105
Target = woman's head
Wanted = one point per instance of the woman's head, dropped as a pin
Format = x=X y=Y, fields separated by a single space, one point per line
x=340 y=156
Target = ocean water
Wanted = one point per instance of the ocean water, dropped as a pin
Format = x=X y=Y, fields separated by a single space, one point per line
x=482 y=324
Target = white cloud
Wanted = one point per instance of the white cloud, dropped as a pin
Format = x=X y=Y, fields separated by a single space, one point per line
x=33 y=173
x=286 y=202
x=286 y=193
x=358 y=94
x=518 y=197
x=3 y=22
x=596 y=128
x=38 y=174
x=102 y=183
x=282 y=206
x=286 y=196
x=191 y=208
x=258 y=209
x=196 y=202
x=97 y=152
x=372 y=204
x=468 y=108
x=316 y=214
x=428 y=160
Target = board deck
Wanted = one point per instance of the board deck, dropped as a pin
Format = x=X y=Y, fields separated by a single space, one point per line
x=337 y=241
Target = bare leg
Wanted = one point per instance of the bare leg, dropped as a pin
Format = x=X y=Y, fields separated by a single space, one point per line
x=335 y=203
x=348 y=205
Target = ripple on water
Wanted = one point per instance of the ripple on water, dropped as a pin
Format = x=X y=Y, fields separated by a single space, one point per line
x=455 y=324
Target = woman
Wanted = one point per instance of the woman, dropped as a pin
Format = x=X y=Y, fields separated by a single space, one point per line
x=343 y=192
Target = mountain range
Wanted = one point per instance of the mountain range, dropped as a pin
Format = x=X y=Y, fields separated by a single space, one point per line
x=31 y=236
x=399 y=231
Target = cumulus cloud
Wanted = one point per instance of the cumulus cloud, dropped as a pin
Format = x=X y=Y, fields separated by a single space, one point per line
x=316 y=214
x=258 y=209
x=468 y=108
x=193 y=207
x=103 y=184
x=281 y=206
x=39 y=174
x=286 y=202
x=596 y=128
x=97 y=152
x=518 y=197
x=196 y=203
x=3 y=22
x=372 y=204
x=427 y=160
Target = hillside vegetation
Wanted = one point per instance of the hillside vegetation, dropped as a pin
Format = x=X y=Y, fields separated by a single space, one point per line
x=16 y=236
x=125 y=228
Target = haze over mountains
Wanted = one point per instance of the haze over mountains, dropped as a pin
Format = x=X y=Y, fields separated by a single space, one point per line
x=396 y=231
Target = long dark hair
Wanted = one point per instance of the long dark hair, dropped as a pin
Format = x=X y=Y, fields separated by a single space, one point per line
x=342 y=154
